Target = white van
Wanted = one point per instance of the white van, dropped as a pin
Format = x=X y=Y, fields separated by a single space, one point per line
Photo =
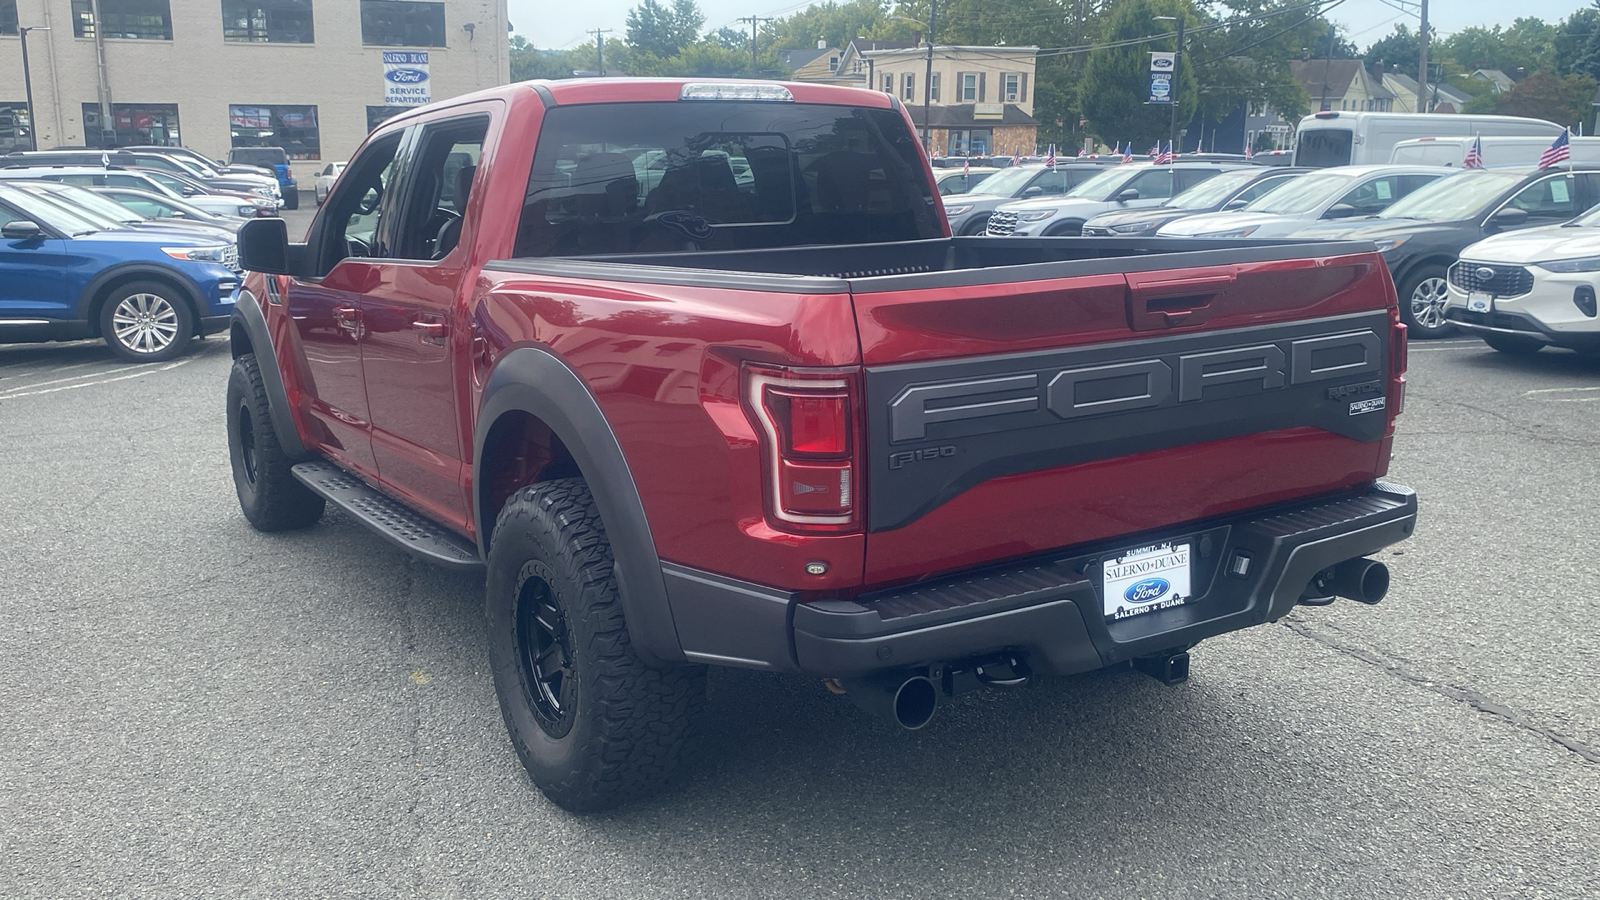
x=1336 y=138
x=1497 y=151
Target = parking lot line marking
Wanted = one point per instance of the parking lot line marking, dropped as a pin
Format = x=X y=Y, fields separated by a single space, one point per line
x=71 y=387
x=1571 y=390
x=54 y=370
x=1443 y=349
x=40 y=384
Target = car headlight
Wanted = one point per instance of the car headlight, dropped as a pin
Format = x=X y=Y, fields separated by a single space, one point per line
x=1132 y=228
x=1566 y=266
x=1237 y=232
x=197 y=254
x=247 y=211
x=957 y=210
x=1038 y=215
x=1387 y=244
x=264 y=192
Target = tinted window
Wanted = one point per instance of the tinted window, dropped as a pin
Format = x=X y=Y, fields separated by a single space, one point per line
x=1373 y=197
x=1323 y=147
x=267 y=21
x=402 y=23
x=1155 y=183
x=441 y=173
x=1261 y=187
x=293 y=129
x=124 y=19
x=624 y=177
x=1551 y=200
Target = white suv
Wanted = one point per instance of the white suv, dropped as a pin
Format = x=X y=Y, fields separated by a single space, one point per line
x=1526 y=289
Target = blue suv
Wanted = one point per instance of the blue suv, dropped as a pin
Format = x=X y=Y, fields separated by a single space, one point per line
x=146 y=293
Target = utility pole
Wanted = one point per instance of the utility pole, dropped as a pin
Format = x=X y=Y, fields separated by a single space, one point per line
x=1422 y=70
x=600 y=48
x=927 y=83
x=755 y=22
x=1177 y=63
x=1327 y=60
x=27 y=82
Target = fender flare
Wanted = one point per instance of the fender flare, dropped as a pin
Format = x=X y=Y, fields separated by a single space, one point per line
x=535 y=381
x=191 y=291
x=247 y=317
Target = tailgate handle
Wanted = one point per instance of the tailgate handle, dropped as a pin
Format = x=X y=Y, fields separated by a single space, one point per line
x=1173 y=302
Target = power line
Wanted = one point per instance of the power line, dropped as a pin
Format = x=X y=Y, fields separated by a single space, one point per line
x=755 y=22
x=600 y=48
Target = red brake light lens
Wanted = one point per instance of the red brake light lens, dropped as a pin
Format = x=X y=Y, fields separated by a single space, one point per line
x=807 y=417
x=812 y=425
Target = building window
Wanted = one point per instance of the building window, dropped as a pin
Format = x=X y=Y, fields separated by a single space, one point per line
x=1013 y=83
x=933 y=88
x=908 y=87
x=856 y=69
x=833 y=64
x=294 y=128
x=145 y=19
x=8 y=16
x=267 y=21
x=402 y=23
x=969 y=88
x=888 y=83
x=132 y=124
x=14 y=128
x=377 y=115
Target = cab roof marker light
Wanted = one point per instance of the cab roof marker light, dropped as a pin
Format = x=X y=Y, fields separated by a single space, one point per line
x=735 y=91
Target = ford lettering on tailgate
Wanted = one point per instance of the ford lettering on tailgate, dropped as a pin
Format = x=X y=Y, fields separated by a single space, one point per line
x=998 y=416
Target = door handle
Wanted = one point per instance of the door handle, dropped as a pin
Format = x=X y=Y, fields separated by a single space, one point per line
x=346 y=313
x=430 y=332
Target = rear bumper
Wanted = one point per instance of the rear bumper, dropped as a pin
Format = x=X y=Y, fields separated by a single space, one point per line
x=1048 y=609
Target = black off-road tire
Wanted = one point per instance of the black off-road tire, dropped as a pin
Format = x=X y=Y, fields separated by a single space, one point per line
x=593 y=725
x=271 y=497
x=1514 y=345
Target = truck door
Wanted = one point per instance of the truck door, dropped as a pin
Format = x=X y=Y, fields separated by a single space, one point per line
x=417 y=340
x=350 y=238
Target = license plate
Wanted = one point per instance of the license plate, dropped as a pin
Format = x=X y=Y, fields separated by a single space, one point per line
x=1145 y=579
x=1481 y=303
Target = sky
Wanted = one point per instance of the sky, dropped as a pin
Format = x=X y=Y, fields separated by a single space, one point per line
x=553 y=23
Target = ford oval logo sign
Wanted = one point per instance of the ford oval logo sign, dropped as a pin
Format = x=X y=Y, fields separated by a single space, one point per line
x=1160 y=64
x=1484 y=273
x=406 y=76
x=1147 y=591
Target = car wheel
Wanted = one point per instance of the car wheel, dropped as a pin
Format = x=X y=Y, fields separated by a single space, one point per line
x=1422 y=300
x=318 y=193
x=271 y=497
x=291 y=198
x=592 y=724
x=978 y=225
x=146 y=321
x=1513 y=344
x=1071 y=228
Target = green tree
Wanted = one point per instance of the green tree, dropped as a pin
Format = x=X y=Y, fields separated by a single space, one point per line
x=1564 y=101
x=1115 y=83
x=662 y=31
x=1572 y=40
x=835 y=24
x=1399 y=51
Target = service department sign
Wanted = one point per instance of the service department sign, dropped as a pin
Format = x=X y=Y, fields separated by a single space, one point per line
x=405 y=78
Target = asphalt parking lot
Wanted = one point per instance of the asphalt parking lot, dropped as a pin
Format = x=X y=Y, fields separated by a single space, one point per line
x=195 y=709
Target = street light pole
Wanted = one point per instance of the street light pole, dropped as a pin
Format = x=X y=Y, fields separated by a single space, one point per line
x=27 y=81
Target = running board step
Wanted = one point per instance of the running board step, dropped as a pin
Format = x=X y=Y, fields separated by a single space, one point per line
x=406 y=528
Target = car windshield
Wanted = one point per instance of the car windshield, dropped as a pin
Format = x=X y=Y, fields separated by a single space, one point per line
x=1454 y=197
x=54 y=215
x=195 y=168
x=1008 y=182
x=1105 y=184
x=1213 y=191
x=72 y=196
x=1301 y=195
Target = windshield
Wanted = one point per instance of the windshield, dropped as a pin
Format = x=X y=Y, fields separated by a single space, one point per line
x=1106 y=183
x=195 y=168
x=1213 y=191
x=1301 y=195
x=1321 y=148
x=76 y=198
x=54 y=214
x=1453 y=198
x=1008 y=182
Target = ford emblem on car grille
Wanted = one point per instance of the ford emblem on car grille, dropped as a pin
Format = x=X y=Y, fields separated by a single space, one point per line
x=1484 y=273
x=1147 y=591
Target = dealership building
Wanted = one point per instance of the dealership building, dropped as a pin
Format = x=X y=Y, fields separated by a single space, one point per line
x=311 y=76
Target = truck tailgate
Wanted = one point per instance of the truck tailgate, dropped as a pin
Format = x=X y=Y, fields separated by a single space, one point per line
x=1007 y=419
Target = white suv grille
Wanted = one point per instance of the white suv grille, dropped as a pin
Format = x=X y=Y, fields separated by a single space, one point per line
x=1001 y=224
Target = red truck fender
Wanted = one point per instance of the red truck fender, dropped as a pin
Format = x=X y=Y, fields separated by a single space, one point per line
x=534 y=381
x=248 y=333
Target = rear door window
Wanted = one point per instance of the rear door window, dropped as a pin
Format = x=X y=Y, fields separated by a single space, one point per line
x=1154 y=184
x=650 y=177
x=1549 y=201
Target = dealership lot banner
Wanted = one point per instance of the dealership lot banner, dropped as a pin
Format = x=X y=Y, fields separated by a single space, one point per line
x=405 y=78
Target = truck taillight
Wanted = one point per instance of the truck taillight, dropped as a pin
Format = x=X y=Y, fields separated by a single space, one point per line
x=807 y=422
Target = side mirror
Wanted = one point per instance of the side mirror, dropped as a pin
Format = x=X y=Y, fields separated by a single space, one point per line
x=1340 y=211
x=264 y=246
x=1126 y=194
x=1034 y=191
x=1234 y=204
x=21 y=230
x=1509 y=217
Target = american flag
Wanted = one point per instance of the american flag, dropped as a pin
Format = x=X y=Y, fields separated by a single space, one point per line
x=1051 y=159
x=1015 y=159
x=1165 y=157
x=1082 y=152
x=1155 y=150
x=1474 y=158
x=1127 y=155
x=966 y=166
x=1249 y=152
x=1559 y=152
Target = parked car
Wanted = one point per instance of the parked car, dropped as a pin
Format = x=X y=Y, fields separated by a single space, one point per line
x=1497 y=150
x=1422 y=234
x=1341 y=193
x=325 y=180
x=1133 y=186
x=145 y=293
x=169 y=185
x=960 y=181
x=265 y=186
x=1530 y=289
x=108 y=213
x=1229 y=190
x=159 y=206
x=1342 y=137
x=274 y=160
x=193 y=188
x=200 y=161
x=970 y=213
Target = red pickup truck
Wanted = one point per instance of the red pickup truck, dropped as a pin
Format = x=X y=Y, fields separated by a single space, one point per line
x=697 y=375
